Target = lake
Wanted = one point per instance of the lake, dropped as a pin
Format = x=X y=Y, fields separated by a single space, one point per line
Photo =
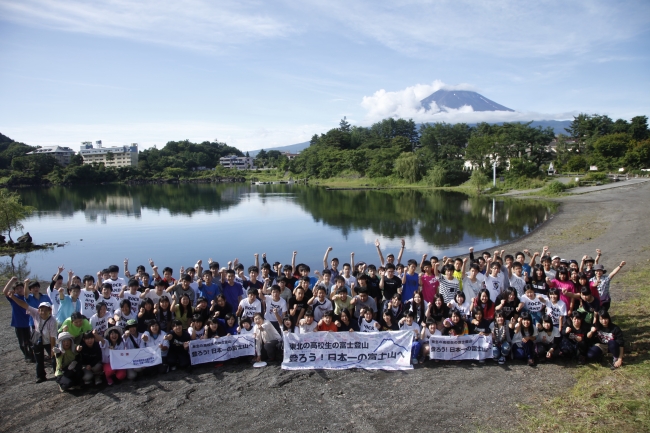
x=178 y=224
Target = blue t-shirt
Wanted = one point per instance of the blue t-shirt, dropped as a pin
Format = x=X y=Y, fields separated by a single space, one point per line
x=209 y=292
x=19 y=317
x=67 y=308
x=232 y=294
x=33 y=302
x=410 y=287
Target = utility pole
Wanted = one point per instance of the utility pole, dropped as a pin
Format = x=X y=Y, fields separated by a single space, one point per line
x=494 y=173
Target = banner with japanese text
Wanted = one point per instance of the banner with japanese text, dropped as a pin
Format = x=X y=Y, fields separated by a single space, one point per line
x=472 y=347
x=135 y=358
x=221 y=349
x=343 y=350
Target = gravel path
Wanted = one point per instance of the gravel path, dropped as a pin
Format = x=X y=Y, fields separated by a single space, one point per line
x=433 y=397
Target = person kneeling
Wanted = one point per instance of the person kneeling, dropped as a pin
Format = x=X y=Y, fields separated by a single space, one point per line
x=608 y=338
x=267 y=339
x=67 y=372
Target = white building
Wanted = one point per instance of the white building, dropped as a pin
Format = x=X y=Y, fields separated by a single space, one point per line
x=120 y=156
x=238 y=162
x=61 y=154
x=290 y=156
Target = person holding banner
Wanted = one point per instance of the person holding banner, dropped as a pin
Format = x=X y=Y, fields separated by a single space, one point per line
x=427 y=331
x=267 y=339
x=112 y=340
x=407 y=323
x=132 y=340
x=455 y=326
x=179 y=343
x=155 y=337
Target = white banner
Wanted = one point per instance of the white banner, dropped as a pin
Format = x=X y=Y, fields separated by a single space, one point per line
x=135 y=358
x=87 y=299
x=342 y=350
x=474 y=347
x=221 y=349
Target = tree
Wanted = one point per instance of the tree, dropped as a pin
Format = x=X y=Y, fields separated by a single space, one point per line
x=436 y=176
x=344 y=126
x=11 y=212
x=110 y=156
x=408 y=168
x=639 y=128
x=478 y=180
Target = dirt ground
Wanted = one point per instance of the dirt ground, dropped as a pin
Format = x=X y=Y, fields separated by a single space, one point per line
x=432 y=397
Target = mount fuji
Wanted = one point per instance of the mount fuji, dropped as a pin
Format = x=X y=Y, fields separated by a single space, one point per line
x=455 y=99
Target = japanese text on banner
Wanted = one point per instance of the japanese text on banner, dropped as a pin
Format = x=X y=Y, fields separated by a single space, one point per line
x=135 y=358
x=343 y=350
x=221 y=349
x=472 y=347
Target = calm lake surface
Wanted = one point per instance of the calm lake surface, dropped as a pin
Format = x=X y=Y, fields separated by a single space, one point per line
x=178 y=224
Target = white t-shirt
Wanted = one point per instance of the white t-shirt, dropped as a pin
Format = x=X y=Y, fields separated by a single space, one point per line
x=518 y=283
x=106 y=350
x=427 y=333
x=412 y=327
x=112 y=304
x=365 y=326
x=320 y=308
x=130 y=341
x=349 y=281
x=543 y=337
x=471 y=289
x=556 y=310
x=244 y=331
x=464 y=308
x=123 y=318
x=304 y=328
x=249 y=309
x=100 y=324
x=155 y=297
x=281 y=306
x=199 y=333
x=533 y=305
x=154 y=342
x=116 y=285
x=87 y=299
x=134 y=300
x=56 y=301
x=494 y=285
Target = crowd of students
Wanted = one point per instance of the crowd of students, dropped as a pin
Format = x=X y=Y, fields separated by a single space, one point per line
x=557 y=308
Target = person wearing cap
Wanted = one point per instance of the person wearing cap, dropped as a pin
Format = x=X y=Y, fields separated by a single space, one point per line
x=132 y=340
x=68 y=372
x=44 y=334
x=587 y=264
x=602 y=281
x=35 y=297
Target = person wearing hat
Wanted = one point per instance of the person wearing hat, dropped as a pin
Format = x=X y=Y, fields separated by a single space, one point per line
x=602 y=281
x=587 y=264
x=43 y=335
x=132 y=340
x=112 y=340
x=68 y=373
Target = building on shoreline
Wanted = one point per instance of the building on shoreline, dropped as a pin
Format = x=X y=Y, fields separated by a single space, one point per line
x=119 y=156
x=61 y=154
x=238 y=162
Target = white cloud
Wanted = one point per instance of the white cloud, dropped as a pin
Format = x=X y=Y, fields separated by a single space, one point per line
x=507 y=28
x=149 y=134
x=405 y=104
x=192 y=24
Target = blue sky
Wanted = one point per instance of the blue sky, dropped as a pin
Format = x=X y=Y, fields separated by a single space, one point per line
x=257 y=74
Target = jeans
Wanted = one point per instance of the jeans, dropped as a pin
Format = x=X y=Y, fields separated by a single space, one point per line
x=416 y=348
x=524 y=350
x=499 y=350
x=595 y=353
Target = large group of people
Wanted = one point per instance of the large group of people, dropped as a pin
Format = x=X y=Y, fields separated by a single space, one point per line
x=534 y=312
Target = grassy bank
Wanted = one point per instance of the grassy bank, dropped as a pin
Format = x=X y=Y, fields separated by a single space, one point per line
x=603 y=400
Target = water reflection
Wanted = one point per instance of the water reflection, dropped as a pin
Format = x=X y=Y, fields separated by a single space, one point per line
x=439 y=218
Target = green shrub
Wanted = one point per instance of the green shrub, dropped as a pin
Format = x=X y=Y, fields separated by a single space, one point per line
x=554 y=188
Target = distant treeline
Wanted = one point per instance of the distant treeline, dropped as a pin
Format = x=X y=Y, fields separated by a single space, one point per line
x=394 y=150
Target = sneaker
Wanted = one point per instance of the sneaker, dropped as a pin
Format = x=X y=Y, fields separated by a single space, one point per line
x=61 y=389
x=98 y=380
x=481 y=361
x=41 y=379
x=414 y=361
x=502 y=360
x=173 y=368
x=109 y=381
x=531 y=362
x=613 y=367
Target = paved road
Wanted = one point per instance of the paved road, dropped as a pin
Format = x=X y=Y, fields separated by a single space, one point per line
x=586 y=189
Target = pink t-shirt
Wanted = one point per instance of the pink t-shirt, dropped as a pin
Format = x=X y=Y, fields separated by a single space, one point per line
x=429 y=287
x=561 y=285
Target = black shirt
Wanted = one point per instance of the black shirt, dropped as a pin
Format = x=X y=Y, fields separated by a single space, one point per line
x=390 y=287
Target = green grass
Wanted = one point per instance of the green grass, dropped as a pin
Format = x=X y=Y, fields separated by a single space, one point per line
x=603 y=400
